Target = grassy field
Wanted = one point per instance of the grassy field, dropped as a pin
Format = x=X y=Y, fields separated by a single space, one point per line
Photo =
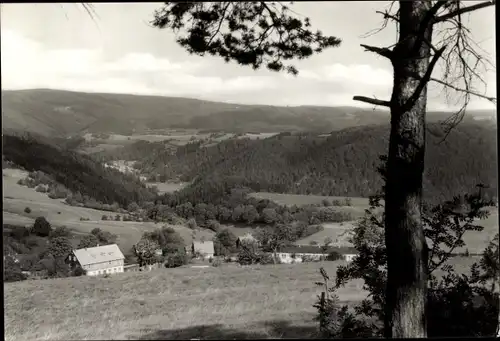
x=226 y=303
x=338 y=232
x=168 y=187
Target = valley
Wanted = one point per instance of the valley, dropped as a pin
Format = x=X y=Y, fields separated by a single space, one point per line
x=174 y=185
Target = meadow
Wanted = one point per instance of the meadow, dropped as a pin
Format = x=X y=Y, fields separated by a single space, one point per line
x=226 y=302
x=338 y=232
x=272 y=301
x=167 y=187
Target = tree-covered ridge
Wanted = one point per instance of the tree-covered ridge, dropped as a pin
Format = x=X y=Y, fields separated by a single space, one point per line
x=77 y=172
x=342 y=164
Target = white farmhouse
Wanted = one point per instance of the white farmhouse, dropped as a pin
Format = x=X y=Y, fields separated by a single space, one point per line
x=99 y=260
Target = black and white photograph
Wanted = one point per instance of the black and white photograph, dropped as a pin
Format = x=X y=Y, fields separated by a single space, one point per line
x=249 y=170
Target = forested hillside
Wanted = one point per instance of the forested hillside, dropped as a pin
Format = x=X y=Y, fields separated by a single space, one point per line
x=342 y=164
x=78 y=173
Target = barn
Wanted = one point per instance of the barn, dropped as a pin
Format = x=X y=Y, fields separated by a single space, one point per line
x=99 y=260
x=203 y=248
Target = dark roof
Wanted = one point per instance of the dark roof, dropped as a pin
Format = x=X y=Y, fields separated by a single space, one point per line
x=317 y=249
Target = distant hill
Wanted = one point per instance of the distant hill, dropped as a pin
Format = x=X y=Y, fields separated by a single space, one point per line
x=343 y=164
x=61 y=113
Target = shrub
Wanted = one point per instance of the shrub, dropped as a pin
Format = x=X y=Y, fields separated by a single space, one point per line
x=41 y=227
x=88 y=241
x=61 y=231
x=40 y=189
x=334 y=255
x=213 y=225
x=175 y=260
x=19 y=232
x=191 y=224
x=217 y=262
x=104 y=217
x=458 y=305
x=60 y=247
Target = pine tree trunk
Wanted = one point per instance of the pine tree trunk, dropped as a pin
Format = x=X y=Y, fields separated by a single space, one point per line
x=406 y=292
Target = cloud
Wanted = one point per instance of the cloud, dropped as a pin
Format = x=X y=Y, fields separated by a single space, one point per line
x=28 y=64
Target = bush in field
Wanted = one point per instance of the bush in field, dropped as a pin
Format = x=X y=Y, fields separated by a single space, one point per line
x=60 y=231
x=104 y=217
x=17 y=232
x=104 y=237
x=213 y=225
x=41 y=227
x=133 y=207
x=78 y=271
x=192 y=224
x=40 y=189
x=88 y=241
x=27 y=210
x=458 y=305
x=60 y=247
x=175 y=260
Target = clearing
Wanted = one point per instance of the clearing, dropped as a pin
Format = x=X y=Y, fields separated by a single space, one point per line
x=219 y=303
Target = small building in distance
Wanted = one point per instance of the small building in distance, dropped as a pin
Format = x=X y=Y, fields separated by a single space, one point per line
x=99 y=260
x=205 y=249
x=297 y=253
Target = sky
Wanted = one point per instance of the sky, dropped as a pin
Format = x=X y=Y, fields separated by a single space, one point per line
x=59 y=46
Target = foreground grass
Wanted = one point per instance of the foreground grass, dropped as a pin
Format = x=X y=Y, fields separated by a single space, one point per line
x=227 y=302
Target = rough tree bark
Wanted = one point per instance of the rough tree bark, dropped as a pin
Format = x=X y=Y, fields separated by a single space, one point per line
x=404 y=237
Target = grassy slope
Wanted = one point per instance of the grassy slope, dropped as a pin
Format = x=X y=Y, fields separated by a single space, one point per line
x=65 y=112
x=184 y=303
x=17 y=198
x=228 y=302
